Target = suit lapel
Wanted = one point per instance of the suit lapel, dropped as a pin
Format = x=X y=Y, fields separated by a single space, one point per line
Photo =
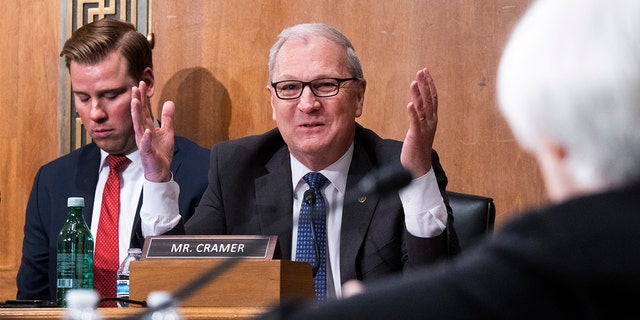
x=274 y=194
x=356 y=215
x=175 y=161
x=87 y=178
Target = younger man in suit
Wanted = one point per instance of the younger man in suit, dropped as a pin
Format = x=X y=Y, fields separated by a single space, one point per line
x=107 y=60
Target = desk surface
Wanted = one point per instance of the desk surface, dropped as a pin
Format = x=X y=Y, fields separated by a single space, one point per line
x=208 y=313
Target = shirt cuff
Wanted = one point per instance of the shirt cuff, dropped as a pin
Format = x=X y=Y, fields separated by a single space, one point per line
x=424 y=210
x=159 y=212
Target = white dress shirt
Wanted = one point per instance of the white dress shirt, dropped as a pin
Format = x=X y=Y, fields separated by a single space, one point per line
x=425 y=212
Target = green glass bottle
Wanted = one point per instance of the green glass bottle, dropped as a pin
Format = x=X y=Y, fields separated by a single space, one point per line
x=75 y=252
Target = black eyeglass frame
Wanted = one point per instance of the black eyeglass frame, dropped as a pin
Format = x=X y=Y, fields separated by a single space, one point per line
x=308 y=84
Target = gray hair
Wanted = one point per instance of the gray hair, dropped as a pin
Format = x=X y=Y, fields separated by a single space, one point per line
x=571 y=73
x=306 y=30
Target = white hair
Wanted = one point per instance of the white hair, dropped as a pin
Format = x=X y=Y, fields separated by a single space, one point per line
x=571 y=73
x=307 y=30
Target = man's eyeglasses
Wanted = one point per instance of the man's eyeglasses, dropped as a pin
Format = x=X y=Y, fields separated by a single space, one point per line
x=321 y=88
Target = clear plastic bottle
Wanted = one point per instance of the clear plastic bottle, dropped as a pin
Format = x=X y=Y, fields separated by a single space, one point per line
x=122 y=285
x=74 y=253
x=158 y=298
x=81 y=305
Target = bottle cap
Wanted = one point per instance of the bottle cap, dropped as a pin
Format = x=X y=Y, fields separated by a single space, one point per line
x=75 y=202
x=134 y=250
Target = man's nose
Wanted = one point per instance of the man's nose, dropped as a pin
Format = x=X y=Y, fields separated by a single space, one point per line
x=97 y=111
x=308 y=100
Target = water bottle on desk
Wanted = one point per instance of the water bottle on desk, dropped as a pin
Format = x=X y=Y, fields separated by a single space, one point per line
x=122 y=288
x=74 y=253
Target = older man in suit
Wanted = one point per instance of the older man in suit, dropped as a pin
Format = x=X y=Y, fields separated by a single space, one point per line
x=260 y=184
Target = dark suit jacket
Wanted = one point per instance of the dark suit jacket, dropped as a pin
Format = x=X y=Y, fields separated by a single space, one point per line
x=575 y=260
x=76 y=174
x=250 y=192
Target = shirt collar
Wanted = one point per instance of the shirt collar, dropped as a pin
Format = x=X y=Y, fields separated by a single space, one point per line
x=336 y=172
x=134 y=156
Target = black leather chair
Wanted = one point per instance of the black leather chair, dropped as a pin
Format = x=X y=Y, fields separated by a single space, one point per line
x=473 y=217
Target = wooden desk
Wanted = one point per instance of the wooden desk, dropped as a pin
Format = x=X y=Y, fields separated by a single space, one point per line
x=249 y=283
x=198 y=313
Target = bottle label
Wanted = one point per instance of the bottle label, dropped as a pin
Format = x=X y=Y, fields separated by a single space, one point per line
x=75 y=270
x=122 y=288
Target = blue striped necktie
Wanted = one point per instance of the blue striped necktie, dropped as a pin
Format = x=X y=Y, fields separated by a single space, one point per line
x=307 y=249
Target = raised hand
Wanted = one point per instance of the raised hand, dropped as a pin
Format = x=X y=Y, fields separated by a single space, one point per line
x=422 y=112
x=154 y=143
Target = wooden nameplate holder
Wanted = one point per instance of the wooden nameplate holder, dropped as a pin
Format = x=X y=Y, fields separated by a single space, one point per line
x=251 y=277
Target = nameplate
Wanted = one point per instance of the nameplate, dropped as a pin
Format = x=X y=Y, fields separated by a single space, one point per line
x=213 y=246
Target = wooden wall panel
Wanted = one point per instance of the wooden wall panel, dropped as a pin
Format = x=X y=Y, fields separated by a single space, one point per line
x=211 y=58
x=29 y=85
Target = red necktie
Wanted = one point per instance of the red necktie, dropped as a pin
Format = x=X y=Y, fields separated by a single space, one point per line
x=107 y=253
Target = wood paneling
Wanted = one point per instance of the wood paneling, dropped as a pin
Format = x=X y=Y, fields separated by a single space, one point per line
x=211 y=58
x=29 y=85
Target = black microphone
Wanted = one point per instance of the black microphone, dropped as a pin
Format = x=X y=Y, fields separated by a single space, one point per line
x=310 y=198
x=386 y=179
